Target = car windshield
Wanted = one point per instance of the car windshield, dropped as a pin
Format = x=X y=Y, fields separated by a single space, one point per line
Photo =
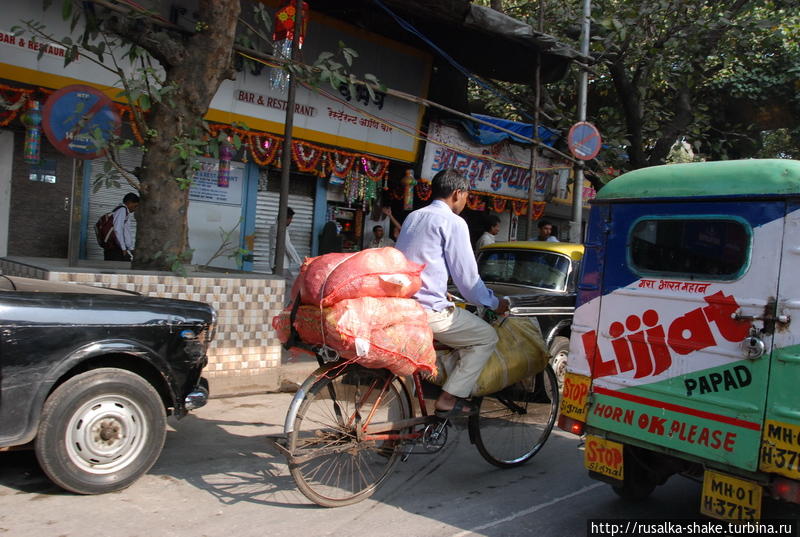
x=524 y=267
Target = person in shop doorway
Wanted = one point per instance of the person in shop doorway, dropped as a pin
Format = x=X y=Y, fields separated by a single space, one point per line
x=330 y=240
x=382 y=216
x=121 y=248
x=546 y=231
x=379 y=240
x=490 y=229
x=438 y=238
x=291 y=259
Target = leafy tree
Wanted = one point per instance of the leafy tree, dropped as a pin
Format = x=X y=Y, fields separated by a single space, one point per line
x=177 y=68
x=707 y=70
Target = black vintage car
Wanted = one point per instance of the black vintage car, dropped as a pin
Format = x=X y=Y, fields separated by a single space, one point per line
x=539 y=278
x=88 y=376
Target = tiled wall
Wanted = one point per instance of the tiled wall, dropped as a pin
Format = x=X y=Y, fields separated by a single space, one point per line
x=245 y=355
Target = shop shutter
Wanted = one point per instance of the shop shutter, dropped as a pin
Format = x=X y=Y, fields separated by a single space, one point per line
x=106 y=198
x=266 y=217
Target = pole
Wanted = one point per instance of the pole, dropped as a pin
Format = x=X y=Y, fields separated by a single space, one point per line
x=74 y=240
x=286 y=157
x=576 y=230
x=537 y=141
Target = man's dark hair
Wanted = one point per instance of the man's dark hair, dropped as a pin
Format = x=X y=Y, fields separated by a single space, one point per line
x=543 y=223
x=490 y=221
x=130 y=196
x=375 y=228
x=289 y=212
x=446 y=182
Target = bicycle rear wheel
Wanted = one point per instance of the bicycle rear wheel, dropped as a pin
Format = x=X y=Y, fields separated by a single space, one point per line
x=513 y=424
x=331 y=465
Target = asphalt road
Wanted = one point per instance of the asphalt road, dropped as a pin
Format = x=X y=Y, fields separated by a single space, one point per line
x=217 y=476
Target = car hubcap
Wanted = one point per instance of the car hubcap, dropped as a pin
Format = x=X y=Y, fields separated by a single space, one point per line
x=106 y=434
x=560 y=367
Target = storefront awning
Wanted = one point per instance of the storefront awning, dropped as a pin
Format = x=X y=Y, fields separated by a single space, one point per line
x=486 y=135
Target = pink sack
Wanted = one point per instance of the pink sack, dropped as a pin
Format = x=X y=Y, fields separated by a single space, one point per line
x=391 y=333
x=375 y=272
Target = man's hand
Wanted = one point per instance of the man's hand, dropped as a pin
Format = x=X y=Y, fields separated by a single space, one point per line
x=502 y=307
x=387 y=211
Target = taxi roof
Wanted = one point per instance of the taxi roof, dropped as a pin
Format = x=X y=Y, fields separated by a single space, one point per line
x=566 y=248
x=759 y=177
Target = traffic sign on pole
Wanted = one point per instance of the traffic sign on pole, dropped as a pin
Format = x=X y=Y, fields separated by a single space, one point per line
x=75 y=116
x=584 y=140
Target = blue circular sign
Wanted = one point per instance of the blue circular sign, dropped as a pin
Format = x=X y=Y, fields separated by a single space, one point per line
x=584 y=140
x=78 y=120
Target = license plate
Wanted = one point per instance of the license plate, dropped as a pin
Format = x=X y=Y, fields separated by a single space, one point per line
x=779 y=449
x=603 y=456
x=575 y=396
x=730 y=498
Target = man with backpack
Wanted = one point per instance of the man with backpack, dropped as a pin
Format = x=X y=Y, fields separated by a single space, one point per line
x=117 y=242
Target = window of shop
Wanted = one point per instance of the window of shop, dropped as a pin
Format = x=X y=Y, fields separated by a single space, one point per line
x=709 y=248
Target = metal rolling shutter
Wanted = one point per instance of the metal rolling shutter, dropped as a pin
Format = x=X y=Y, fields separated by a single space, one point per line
x=106 y=199
x=266 y=218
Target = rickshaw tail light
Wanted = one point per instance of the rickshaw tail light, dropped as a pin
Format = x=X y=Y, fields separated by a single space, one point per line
x=570 y=425
x=786 y=489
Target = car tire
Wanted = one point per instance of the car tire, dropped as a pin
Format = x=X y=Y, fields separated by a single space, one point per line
x=100 y=431
x=559 y=350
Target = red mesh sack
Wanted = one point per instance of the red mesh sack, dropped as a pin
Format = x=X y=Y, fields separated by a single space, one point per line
x=391 y=333
x=375 y=272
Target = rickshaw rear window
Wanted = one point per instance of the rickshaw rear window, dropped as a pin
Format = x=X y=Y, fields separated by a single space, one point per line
x=708 y=248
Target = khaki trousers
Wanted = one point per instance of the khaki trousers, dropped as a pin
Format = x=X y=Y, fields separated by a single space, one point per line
x=475 y=340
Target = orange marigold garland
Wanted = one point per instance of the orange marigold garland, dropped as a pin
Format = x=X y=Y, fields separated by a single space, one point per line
x=538 y=210
x=423 y=189
x=15 y=99
x=341 y=163
x=375 y=168
x=306 y=156
x=263 y=148
x=499 y=204
x=476 y=202
x=520 y=207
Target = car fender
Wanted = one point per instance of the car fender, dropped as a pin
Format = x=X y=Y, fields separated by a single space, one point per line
x=562 y=327
x=80 y=355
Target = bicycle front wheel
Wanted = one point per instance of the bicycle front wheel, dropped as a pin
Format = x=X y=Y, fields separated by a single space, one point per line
x=332 y=464
x=513 y=424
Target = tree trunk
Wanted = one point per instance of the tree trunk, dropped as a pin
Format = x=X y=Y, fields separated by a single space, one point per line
x=196 y=65
x=497 y=5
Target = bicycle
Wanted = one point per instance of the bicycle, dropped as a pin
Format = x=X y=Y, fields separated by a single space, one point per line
x=348 y=426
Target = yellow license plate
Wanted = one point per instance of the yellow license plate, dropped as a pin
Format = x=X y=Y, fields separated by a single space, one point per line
x=575 y=396
x=603 y=456
x=730 y=498
x=780 y=450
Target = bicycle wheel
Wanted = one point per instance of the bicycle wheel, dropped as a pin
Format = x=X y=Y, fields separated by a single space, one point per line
x=513 y=424
x=332 y=466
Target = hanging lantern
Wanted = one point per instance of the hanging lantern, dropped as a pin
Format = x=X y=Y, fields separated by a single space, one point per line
x=408 y=192
x=225 y=156
x=282 y=39
x=32 y=119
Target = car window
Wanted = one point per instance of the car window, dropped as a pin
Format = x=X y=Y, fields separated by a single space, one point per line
x=709 y=248
x=525 y=267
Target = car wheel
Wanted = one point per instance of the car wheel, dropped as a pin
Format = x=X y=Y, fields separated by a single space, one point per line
x=559 y=350
x=100 y=431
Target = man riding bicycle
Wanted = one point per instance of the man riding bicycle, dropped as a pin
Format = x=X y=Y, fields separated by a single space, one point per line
x=438 y=238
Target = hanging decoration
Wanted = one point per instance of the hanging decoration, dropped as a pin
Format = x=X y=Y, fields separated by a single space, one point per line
x=538 y=210
x=226 y=153
x=14 y=99
x=306 y=156
x=375 y=168
x=32 y=119
x=408 y=183
x=519 y=207
x=263 y=148
x=282 y=38
x=499 y=204
x=423 y=189
x=476 y=202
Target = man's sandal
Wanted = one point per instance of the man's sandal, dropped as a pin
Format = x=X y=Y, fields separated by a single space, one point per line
x=462 y=409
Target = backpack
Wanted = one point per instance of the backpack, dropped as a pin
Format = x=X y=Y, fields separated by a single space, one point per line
x=104 y=230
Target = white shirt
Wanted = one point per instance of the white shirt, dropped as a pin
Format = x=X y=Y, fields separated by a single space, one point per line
x=486 y=238
x=438 y=238
x=290 y=253
x=122 y=228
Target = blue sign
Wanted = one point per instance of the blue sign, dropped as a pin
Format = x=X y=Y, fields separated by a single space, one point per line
x=584 y=141
x=78 y=119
